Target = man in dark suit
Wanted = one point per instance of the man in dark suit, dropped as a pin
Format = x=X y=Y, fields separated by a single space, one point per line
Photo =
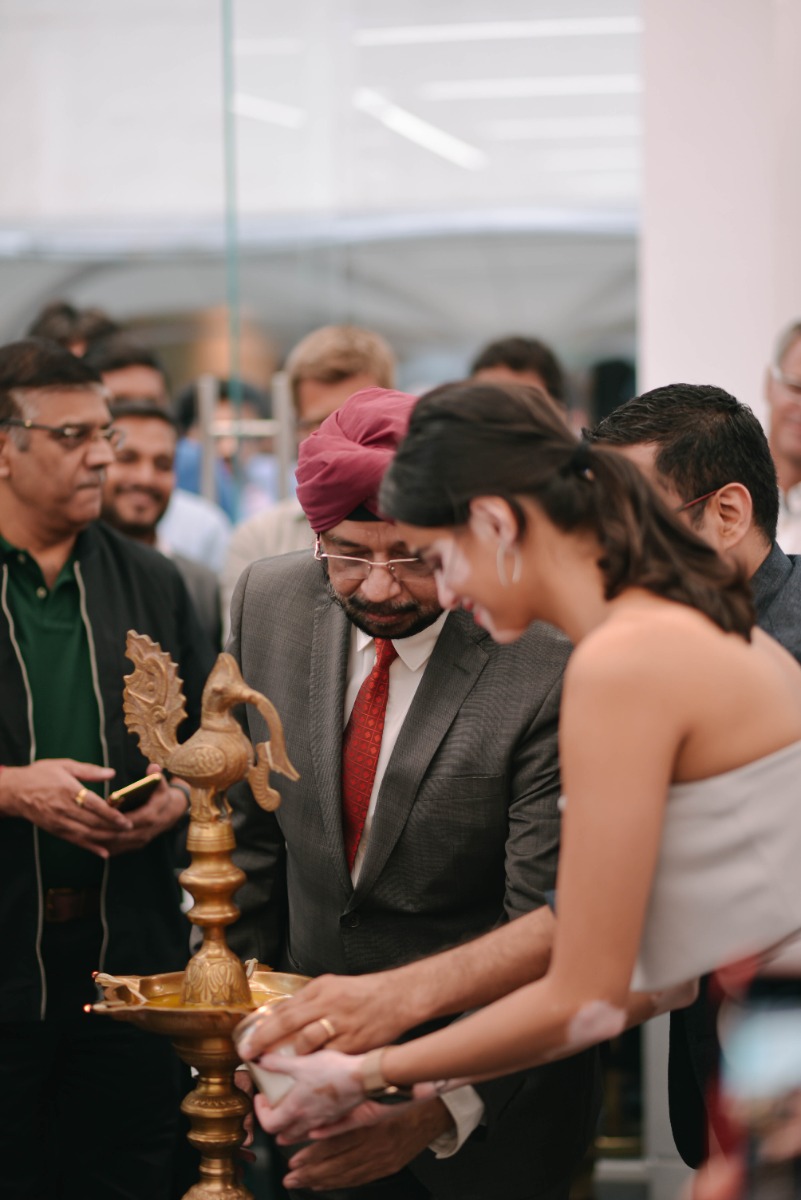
x=426 y=810
x=708 y=456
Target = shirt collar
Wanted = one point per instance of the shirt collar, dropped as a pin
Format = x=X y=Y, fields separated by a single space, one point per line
x=21 y=558
x=791 y=499
x=415 y=651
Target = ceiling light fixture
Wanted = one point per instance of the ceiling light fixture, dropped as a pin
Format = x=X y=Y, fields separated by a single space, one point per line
x=483 y=31
x=407 y=125
x=542 y=85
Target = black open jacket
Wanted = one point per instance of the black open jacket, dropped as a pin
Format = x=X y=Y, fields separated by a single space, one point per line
x=124 y=586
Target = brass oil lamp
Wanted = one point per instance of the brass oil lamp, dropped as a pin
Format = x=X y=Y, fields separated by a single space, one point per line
x=198 y=1008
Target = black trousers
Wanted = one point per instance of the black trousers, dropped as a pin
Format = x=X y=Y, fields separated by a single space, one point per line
x=88 y=1105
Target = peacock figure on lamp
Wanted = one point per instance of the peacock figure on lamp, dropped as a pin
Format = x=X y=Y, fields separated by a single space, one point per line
x=215 y=757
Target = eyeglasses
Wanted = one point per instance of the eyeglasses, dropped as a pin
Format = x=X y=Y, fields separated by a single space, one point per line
x=790 y=382
x=348 y=567
x=72 y=437
x=698 y=500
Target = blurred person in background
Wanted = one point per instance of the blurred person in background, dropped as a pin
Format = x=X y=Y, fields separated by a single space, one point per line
x=74 y=328
x=612 y=382
x=137 y=490
x=130 y=370
x=783 y=394
x=521 y=360
x=192 y=525
x=324 y=368
x=245 y=472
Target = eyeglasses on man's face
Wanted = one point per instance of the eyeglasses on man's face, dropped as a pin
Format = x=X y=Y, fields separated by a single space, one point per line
x=698 y=500
x=790 y=383
x=72 y=437
x=349 y=567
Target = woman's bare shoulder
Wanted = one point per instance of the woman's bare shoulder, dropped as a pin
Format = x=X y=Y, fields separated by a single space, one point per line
x=646 y=636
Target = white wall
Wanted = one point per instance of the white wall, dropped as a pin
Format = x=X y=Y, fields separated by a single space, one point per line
x=720 y=249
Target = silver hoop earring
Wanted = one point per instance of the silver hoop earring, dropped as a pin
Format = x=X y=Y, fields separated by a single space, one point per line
x=500 y=564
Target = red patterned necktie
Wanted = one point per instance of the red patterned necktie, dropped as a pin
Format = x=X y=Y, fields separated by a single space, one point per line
x=361 y=744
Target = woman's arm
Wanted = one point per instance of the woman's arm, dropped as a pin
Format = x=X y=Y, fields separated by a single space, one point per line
x=619 y=736
x=620 y=730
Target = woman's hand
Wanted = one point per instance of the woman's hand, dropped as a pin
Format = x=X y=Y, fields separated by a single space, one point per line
x=328 y=1085
x=328 y=1097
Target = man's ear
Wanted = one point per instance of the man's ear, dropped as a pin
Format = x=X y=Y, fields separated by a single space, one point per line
x=491 y=518
x=731 y=510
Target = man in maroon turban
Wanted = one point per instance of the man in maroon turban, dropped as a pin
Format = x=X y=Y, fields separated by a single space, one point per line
x=340 y=467
x=425 y=813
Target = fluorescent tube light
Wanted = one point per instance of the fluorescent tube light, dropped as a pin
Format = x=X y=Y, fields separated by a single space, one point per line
x=407 y=125
x=542 y=85
x=485 y=31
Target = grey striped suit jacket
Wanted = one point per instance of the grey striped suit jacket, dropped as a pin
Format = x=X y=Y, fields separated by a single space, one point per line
x=465 y=834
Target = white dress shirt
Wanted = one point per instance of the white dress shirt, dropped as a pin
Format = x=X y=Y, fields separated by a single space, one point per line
x=405 y=673
x=788 y=534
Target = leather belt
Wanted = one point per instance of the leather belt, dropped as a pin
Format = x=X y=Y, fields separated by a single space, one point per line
x=67 y=904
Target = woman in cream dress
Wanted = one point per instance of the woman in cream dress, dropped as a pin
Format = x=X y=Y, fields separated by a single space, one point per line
x=680 y=740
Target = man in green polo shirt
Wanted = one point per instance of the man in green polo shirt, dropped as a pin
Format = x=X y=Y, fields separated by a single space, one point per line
x=87 y=1107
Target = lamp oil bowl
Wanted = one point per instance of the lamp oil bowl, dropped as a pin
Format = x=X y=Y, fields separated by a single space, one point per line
x=198 y=1008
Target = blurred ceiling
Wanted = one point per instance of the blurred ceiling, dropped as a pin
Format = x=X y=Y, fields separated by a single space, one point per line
x=437 y=168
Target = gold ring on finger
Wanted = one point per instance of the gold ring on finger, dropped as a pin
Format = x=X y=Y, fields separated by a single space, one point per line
x=80 y=796
x=328 y=1026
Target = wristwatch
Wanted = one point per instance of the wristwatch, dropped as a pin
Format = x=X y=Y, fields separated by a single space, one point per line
x=376 y=1086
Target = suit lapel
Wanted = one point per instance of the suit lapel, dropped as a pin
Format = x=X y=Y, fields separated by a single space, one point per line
x=455 y=665
x=329 y=666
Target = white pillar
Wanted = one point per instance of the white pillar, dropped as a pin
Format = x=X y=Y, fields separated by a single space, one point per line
x=721 y=233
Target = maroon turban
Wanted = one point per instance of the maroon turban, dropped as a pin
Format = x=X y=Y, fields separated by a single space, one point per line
x=340 y=467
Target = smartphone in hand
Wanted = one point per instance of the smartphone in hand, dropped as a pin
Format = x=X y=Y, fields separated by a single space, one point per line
x=125 y=799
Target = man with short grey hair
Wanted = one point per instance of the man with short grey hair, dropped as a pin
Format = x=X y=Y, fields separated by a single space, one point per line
x=323 y=369
x=88 y=1107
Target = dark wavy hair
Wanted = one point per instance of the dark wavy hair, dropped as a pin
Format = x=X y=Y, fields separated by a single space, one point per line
x=469 y=440
x=704 y=439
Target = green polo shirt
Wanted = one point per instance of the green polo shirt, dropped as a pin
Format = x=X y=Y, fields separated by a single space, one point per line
x=54 y=645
